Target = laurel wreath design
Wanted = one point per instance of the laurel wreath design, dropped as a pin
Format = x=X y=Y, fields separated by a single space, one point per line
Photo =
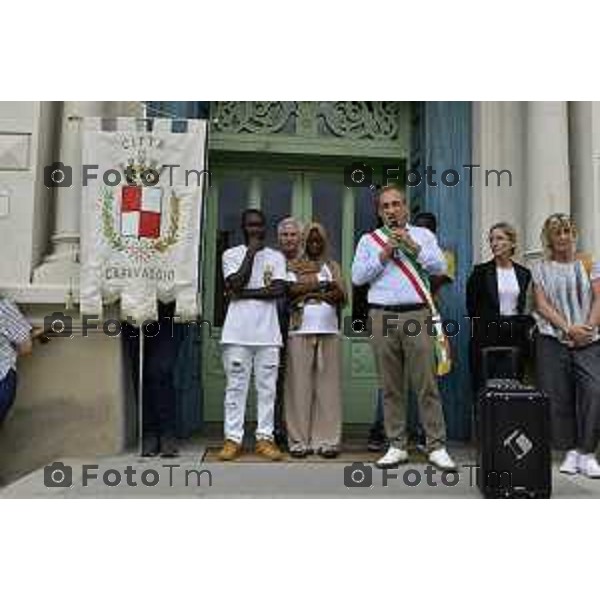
x=144 y=248
x=108 y=226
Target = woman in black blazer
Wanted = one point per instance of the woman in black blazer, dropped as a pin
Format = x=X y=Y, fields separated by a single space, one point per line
x=496 y=299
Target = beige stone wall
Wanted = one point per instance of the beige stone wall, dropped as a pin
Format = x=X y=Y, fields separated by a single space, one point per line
x=70 y=403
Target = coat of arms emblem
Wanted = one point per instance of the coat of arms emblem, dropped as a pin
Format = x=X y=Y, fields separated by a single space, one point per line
x=137 y=219
x=141 y=210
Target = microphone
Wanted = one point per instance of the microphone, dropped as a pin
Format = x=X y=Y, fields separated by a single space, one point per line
x=393 y=224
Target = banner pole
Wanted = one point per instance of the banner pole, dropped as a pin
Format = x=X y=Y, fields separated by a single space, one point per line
x=141 y=393
x=201 y=225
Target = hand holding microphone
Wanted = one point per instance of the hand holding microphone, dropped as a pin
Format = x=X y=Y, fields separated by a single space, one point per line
x=401 y=239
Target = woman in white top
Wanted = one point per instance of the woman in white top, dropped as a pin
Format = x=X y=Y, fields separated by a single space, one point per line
x=312 y=400
x=496 y=302
x=567 y=312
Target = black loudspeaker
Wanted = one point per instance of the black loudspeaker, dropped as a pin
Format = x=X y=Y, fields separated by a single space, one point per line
x=499 y=362
x=514 y=441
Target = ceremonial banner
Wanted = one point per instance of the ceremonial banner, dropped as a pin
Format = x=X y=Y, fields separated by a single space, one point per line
x=141 y=212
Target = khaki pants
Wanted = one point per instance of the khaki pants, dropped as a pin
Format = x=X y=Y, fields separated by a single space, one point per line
x=401 y=354
x=312 y=401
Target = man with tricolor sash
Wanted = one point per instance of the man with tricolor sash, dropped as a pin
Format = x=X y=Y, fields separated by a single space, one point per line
x=408 y=341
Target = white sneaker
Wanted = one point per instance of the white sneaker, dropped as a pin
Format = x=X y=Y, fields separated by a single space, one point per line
x=441 y=459
x=570 y=464
x=588 y=466
x=392 y=458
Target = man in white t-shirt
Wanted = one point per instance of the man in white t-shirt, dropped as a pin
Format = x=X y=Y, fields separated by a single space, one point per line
x=254 y=279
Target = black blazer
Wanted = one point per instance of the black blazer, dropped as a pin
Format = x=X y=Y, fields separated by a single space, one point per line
x=482 y=290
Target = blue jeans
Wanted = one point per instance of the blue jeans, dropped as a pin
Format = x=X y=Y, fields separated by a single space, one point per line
x=8 y=390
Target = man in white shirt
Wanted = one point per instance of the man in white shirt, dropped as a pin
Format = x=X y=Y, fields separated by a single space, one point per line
x=254 y=279
x=398 y=311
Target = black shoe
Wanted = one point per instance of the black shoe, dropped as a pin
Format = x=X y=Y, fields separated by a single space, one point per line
x=299 y=453
x=150 y=445
x=377 y=441
x=329 y=452
x=281 y=440
x=168 y=447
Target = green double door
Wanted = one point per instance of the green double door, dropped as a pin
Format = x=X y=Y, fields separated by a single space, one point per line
x=309 y=192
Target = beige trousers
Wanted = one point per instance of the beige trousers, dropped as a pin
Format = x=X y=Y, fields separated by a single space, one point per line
x=401 y=354
x=312 y=397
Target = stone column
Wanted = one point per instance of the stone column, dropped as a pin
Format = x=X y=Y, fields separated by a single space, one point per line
x=584 y=156
x=547 y=160
x=497 y=145
x=61 y=267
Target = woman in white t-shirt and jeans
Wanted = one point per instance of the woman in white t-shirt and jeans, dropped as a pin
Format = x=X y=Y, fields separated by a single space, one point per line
x=312 y=400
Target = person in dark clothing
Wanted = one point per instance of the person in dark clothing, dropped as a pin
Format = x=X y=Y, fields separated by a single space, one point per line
x=159 y=396
x=496 y=302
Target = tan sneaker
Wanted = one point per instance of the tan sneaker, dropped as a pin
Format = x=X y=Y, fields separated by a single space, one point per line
x=230 y=451
x=268 y=449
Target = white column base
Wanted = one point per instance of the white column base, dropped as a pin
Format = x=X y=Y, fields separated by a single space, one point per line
x=60 y=270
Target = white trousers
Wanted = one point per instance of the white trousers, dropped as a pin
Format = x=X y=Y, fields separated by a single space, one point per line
x=238 y=362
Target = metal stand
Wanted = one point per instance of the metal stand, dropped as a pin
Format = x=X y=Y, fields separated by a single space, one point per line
x=141 y=393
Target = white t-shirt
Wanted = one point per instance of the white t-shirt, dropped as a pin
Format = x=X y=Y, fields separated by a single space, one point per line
x=251 y=322
x=317 y=317
x=508 y=291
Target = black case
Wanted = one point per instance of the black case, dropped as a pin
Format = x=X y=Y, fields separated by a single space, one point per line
x=514 y=441
x=499 y=362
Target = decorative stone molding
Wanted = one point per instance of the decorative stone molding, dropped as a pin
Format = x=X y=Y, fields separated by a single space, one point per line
x=15 y=151
x=253 y=117
x=351 y=120
x=361 y=120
